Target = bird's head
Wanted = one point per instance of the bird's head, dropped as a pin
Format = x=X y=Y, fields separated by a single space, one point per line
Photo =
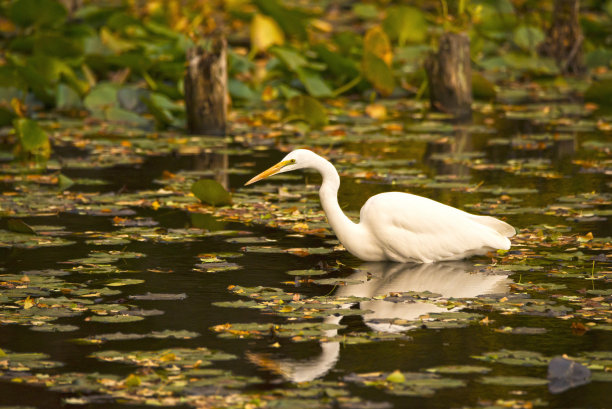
x=297 y=159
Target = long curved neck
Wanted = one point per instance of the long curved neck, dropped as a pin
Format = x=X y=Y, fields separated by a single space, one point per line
x=340 y=223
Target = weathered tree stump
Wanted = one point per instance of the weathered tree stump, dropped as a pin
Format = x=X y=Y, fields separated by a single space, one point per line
x=72 y=6
x=449 y=73
x=206 y=96
x=564 y=38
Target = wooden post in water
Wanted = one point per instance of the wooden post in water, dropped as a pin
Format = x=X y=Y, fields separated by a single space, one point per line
x=564 y=38
x=206 y=95
x=449 y=73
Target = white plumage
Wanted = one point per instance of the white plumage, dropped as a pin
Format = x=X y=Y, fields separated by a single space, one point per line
x=399 y=226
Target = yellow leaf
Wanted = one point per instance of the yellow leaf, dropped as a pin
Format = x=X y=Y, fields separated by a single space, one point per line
x=155 y=205
x=28 y=303
x=376 y=111
x=396 y=377
x=376 y=42
x=132 y=380
x=18 y=106
x=265 y=32
x=168 y=357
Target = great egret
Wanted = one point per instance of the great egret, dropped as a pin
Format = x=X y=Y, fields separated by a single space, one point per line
x=399 y=226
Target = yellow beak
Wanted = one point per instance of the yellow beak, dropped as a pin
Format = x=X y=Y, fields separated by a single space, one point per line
x=272 y=171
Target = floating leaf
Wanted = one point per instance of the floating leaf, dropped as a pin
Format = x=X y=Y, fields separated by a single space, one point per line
x=64 y=182
x=459 y=369
x=309 y=272
x=513 y=381
x=19 y=226
x=211 y=192
x=396 y=377
x=47 y=327
x=122 y=282
x=159 y=297
x=115 y=319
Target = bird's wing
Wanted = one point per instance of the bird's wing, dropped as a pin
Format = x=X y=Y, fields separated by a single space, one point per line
x=414 y=228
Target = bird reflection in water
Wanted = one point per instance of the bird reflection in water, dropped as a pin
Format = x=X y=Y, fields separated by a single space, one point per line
x=453 y=279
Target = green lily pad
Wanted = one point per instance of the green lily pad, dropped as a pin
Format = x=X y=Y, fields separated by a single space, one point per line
x=115 y=319
x=309 y=272
x=459 y=369
x=522 y=381
x=211 y=192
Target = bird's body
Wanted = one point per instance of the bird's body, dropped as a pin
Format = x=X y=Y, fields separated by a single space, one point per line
x=397 y=226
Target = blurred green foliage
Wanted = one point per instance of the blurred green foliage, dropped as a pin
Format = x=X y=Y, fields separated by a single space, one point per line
x=125 y=63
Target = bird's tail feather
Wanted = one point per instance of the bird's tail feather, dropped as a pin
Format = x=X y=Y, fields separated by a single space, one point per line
x=502 y=228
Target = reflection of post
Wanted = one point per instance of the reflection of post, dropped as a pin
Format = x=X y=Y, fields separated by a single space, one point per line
x=218 y=163
x=460 y=142
x=565 y=146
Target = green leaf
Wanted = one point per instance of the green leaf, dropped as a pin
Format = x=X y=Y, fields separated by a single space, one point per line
x=378 y=74
x=115 y=319
x=67 y=98
x=32 y=138
x=314 y=83
x=240 y=90
x=528 y=38
x=211 y=192
x=365 y=11
x=308 y=109
x=290 y=57
x=292 y=21
x=64 y=182
x=19 y=226
x=26 y=13
x=600 y=57
x=310 y=272
x=337 y=64
x=513 y=380
x=57 y=45
x=132 y=380
x=103 y=96
x=600 y=92
x=116 y=114
x=405 y=24
x=482 y=88
x=7 y=116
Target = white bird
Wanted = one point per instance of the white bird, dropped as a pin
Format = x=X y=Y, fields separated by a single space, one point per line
x=396 y=226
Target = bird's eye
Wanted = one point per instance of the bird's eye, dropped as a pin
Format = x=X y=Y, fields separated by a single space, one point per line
x=291 y=161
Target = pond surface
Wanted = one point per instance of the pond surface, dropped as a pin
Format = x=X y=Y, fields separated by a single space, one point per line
x=135 y=293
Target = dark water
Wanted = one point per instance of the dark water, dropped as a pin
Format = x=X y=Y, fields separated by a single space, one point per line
x=427 y=348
